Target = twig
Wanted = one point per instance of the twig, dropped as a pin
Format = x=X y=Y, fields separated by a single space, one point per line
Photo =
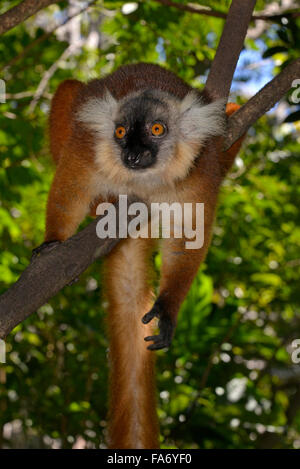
x=193 y=9
x=25 y=94
x=49 y=73
x=218 y=14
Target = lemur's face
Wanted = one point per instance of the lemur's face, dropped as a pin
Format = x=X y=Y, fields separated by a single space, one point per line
x=150 y=137
x=143 y=131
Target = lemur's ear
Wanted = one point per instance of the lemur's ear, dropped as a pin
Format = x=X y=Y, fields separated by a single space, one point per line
x=198 y=120
x=98 y=113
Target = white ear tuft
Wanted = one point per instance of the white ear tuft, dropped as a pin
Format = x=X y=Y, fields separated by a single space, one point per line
x=199 y=121
x=98 y=113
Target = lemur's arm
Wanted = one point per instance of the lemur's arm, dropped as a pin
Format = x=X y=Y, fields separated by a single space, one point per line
x=180 y=265
x=69 y=198
x=179 y=268
x=72 y=192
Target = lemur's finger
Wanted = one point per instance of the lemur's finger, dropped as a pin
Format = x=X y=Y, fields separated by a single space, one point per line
x=158 y=345
x=149 y=316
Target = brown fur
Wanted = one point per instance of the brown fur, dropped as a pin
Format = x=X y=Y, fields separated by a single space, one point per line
x=59 y=119
x=77 y=189
x=132 y=420
x=137 y=77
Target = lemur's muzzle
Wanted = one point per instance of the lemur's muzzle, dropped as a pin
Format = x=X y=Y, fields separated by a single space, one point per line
x=140 y=160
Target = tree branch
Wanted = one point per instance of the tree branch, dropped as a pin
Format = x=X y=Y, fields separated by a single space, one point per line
x=231 y=43
x=21 y=12
x=260 y=103
x=218 y=14
x=51 y=271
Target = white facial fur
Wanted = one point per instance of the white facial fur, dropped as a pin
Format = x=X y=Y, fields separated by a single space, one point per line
x=99 y=114
x=199 y=121
x=190 y=122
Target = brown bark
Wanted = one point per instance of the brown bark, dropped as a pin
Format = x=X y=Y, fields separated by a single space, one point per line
x=49 y=273
x=262 y=102
x=21 y=12
x=231 y=43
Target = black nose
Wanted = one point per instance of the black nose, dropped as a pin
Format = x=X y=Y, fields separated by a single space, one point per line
x=139 y=160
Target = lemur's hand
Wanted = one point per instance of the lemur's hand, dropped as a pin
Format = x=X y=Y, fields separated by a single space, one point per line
x=47 y=246
x=166 y=327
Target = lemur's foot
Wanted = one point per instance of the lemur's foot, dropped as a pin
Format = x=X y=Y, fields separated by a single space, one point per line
x=166 y=328
x=47 y=246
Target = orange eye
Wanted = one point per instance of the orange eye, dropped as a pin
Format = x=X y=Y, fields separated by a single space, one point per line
x=157 y=129
x=120 y=131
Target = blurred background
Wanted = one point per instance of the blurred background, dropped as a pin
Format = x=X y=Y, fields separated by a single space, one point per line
x=229 y=379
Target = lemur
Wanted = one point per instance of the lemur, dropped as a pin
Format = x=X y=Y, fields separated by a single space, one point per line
x=143 y=132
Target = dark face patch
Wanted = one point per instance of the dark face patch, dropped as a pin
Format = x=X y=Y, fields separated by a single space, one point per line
x=139 y=146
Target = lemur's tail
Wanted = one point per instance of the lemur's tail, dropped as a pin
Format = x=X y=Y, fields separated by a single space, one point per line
x=132 y=416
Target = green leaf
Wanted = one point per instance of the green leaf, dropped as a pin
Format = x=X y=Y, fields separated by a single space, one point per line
x=274 y=50
x=293 y=117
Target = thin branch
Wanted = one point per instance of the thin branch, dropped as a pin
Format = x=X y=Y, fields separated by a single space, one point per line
x=193 y=9
x=21 y=12
x=218 y=14
x=260 y=103
x=10 y=115
x=231 y=43
x=285 y=14
x=49 y=73
x=25 y=94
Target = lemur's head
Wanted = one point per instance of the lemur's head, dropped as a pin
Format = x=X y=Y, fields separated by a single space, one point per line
x=150 y=136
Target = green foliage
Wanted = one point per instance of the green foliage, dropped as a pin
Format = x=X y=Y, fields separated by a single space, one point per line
x=228 y=381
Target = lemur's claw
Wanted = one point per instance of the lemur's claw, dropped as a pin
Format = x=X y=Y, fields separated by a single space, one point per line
x=44 y=247
x=166 y=328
